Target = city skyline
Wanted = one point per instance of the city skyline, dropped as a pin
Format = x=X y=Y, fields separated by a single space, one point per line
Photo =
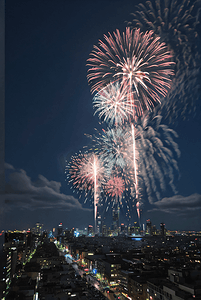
x=49 y=109
x=89 y=267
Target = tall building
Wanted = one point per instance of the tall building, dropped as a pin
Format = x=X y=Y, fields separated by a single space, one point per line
x=136 y=228
x=38 y=228
x=90 y=230
x=123 y=229
x=60 y=236
x=17 y=247
x=154 y=230
x=99 y=224
x=104 y=230
x=132 y=230
x=162 y=227
x=149 y=227
x=60 y=230
x=115 y=219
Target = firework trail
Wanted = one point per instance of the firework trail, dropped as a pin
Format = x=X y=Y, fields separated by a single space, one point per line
x=87 y=173
x=95 y=169
x=136 y=59
x=138 y=212
x=176 y=23
x=134 y=160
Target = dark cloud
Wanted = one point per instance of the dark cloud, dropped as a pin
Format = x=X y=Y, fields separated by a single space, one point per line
x=21 y=191
x=42 y=182
x=180 y=205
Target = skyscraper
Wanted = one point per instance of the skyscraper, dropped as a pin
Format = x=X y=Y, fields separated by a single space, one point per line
x=104 y=230
x=90 y=230
x=60 y=230
x=115 y=220
x=123 y=228
x=99 y=224
x=162 y=227
x=60 y=233
x=149 y=227
x=38 y=228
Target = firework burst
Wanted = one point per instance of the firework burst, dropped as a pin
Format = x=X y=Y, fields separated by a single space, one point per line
x=112 y=146
x=115 y=187
x=87 y=173
x=81 y=171
x=112 y=104
x=117 y=193
x=136 y=59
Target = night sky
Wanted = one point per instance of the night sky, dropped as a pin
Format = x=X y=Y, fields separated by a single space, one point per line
x=48 y=109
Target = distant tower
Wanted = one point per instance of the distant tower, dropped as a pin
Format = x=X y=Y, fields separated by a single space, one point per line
x=132 y=230
x=38 y=228
x=90 y=230
x=59 y=232
x=122 y=228
x=136 y=228
x=60 y=229
x=149 y=227
x=104 y=230
x=99 y=224
x=115 y=219
x=162 y=227
x=154 y=230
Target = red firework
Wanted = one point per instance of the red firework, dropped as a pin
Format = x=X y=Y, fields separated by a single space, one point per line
x=115 y=187
x=86 y=170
